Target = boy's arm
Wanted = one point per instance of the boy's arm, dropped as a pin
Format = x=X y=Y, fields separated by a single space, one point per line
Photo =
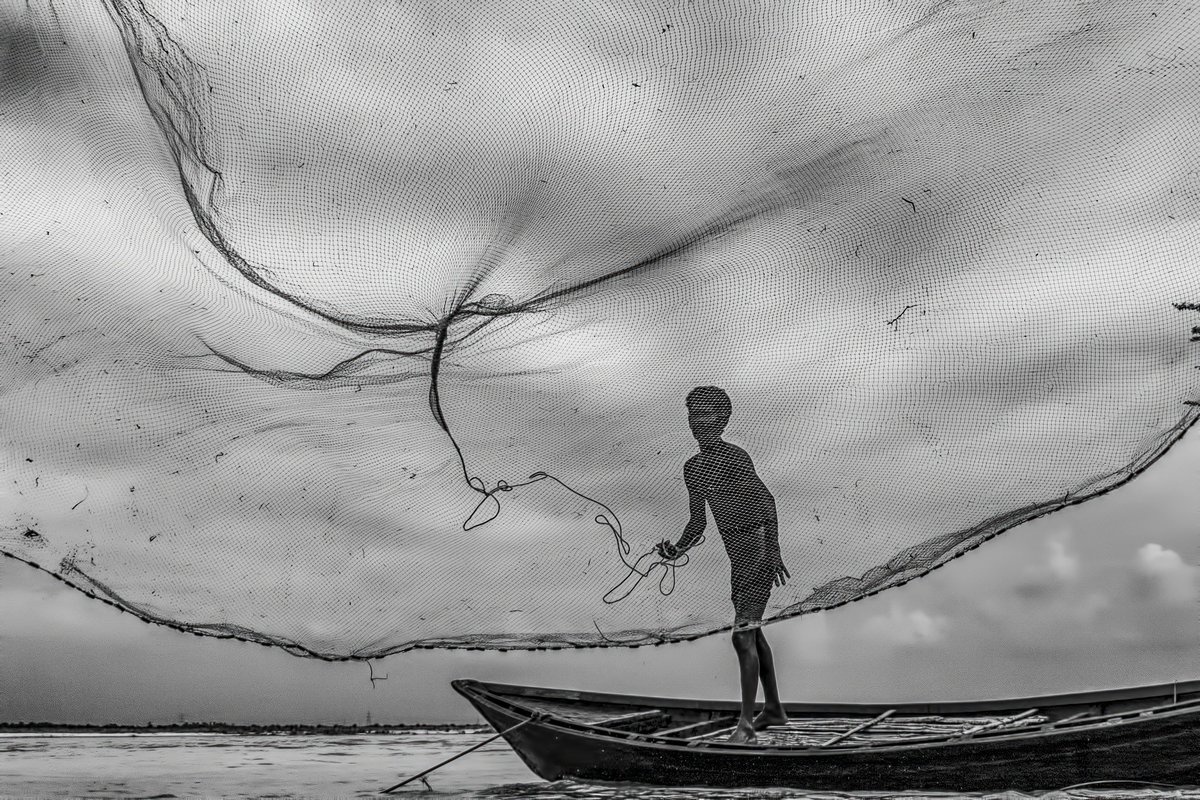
x=697 y=520
x=772 y=521
x=779 y=572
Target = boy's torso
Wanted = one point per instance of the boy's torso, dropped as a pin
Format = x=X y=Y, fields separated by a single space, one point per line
x=740 y=501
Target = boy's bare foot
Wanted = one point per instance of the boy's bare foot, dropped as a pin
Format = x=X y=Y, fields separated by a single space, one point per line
x=743 y=734
x=770 y=716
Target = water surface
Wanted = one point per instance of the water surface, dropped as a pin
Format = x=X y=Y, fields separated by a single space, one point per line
x=220 y=765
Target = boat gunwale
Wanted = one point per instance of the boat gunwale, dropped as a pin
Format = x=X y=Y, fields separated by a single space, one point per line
x=1043 y=731
x=865 y=709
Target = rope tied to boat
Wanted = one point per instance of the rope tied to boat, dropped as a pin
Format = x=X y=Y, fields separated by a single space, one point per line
x=537 y=717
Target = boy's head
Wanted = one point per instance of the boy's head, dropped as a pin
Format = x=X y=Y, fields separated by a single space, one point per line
x=709 y=409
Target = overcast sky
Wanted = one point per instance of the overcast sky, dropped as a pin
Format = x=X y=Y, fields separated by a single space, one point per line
x=931 y=251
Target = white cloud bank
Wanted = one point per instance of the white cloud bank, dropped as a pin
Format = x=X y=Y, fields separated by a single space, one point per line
x=1162 y=576
x=907 y=627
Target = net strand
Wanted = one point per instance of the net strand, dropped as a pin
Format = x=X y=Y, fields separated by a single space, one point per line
x=608 y=519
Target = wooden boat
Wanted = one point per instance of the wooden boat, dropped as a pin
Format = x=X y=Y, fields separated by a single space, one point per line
x=1146 y=733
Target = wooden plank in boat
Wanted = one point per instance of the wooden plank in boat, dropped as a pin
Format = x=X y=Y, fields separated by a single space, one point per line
x=584 y=714
x=999 y=723
x=858 y=728
x=700 y=728
x=632 y=721
x=720 y=725
x=1088 y=718
x=635 y=716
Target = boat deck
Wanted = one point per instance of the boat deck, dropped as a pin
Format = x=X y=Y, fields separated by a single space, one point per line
x=826 y=730
x=849 y=731
x=800 y=731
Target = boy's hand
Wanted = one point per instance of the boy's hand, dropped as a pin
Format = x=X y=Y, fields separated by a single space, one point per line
x=781 y=573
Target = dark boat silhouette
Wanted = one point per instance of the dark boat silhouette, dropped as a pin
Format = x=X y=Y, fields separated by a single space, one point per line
x=1145 y=733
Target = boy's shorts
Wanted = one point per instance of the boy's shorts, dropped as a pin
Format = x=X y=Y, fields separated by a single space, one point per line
x=751 y=578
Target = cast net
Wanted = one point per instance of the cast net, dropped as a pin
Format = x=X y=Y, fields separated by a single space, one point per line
x=358 y=327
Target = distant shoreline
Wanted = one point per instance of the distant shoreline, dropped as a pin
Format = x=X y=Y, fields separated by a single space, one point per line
x=374 y=729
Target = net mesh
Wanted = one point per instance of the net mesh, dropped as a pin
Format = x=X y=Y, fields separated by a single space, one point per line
x=354 y=328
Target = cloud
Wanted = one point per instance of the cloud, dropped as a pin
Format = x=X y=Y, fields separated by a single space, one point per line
x=1048 y=579
x=808 y=640
x=1063 y=563
x=1161 y=575
x=1084 y=594
x=906 y=627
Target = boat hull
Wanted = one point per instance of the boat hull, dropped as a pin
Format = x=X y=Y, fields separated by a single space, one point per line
x=1163 y=749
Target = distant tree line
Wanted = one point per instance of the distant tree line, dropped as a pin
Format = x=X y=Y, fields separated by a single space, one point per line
x=226 y=727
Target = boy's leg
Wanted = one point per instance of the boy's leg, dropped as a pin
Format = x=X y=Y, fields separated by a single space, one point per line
x=772 y=713
x=748 y=667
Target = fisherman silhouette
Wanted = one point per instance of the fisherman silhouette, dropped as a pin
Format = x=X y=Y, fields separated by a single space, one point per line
x=723 y=476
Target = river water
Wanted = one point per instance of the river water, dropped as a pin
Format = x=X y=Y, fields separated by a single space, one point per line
x=217 y=765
